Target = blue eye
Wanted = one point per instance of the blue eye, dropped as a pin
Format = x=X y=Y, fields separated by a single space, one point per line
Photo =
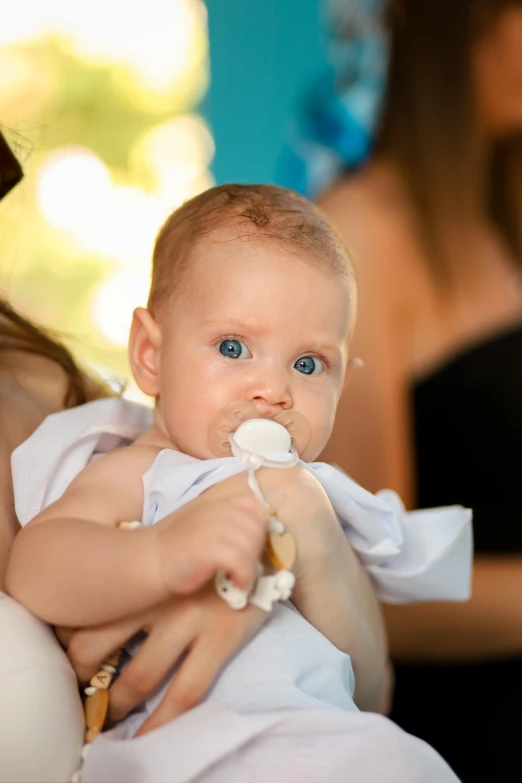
x=234 y=349
x=309 y=365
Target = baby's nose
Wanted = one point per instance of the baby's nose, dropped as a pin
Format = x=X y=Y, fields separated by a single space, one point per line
x=270 y=394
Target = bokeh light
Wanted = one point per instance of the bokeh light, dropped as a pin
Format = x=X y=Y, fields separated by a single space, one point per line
x=100 y=100
x=71 y=184
x=113 y=303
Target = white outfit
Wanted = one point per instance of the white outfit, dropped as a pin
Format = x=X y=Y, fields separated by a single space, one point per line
x=284 y=706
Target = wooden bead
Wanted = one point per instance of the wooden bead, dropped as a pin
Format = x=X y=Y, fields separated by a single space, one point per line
x=102 y=679
x=96 y=707
x=114 y=658
x=271 y=511
x=281 y=550
x=91 y=735
x=128 y=525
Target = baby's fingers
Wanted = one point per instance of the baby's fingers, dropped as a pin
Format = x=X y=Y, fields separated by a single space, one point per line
x=239 y=560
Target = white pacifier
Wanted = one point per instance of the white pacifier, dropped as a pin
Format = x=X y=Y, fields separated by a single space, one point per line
x=256 y=434
x=263 y=437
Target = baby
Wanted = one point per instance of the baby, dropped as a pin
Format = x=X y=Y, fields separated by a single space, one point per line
x=250 y=313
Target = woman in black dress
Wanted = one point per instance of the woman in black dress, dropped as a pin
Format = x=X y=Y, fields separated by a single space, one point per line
x=434 y=216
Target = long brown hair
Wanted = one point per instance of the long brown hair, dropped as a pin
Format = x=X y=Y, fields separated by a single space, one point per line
x=18 y=333
x=429 y=128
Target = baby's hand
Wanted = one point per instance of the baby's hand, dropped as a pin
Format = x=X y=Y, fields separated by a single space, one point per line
x=224 y=529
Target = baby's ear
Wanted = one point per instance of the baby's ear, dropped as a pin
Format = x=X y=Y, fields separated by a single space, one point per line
x=353 y=365
x=144 y=345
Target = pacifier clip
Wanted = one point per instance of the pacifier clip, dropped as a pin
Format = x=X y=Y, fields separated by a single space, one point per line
x=264 y=443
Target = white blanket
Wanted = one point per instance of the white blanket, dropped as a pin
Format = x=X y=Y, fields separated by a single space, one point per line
x=283 y=708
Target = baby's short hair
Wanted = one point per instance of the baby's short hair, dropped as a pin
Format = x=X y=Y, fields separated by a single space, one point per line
x=260 y=212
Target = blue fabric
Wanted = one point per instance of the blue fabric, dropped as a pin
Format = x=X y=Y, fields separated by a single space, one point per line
x=339 y=115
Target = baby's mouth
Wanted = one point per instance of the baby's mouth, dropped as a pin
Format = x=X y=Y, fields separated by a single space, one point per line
x=232 y=416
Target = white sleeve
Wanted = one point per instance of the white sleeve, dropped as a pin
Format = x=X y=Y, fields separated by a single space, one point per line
x=411 y=556
x=44 y=465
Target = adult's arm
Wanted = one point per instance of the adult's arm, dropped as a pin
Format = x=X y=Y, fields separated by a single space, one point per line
x=30 y=389
x=8 y=523
x=488 y=626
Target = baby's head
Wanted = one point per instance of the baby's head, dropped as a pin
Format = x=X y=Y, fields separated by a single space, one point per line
x=253 y=300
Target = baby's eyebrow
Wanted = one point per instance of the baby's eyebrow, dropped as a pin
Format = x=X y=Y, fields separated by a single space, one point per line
x=330 y=349
x=234 y=323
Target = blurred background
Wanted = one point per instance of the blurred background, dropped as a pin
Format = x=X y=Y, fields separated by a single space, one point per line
x=118 y=113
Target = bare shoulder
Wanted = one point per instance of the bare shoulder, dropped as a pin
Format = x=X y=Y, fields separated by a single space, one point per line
x=37 y=376
x=109 y=490
x=371 y=215
x=374 y=218
x=118 y=469
x=31 y=388
x=362 y=195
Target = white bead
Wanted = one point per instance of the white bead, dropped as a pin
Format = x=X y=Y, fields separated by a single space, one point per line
x=263 y=437
x=284 y=583
x=270 y=589
x=90 y=690
x=235 y=597
x=107 y=667
x=275 y=526
x=86 y=750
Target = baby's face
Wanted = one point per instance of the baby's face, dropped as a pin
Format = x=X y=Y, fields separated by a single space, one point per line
x=251 y=323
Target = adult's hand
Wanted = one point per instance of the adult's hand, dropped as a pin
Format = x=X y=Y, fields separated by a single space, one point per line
x=201 y=625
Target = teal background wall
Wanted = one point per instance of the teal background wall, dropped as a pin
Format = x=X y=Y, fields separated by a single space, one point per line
x=262 y=54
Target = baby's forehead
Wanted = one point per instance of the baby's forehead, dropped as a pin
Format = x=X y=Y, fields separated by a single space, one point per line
x=240 y=241
x=215 y=259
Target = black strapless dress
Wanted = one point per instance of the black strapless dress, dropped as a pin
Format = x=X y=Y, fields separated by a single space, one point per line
x=468 y=431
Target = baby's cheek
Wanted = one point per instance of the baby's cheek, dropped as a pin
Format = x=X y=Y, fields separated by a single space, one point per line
x=320 y=437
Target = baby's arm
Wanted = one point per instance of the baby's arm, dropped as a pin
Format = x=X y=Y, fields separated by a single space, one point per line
x=333 y=590
x=72 y=566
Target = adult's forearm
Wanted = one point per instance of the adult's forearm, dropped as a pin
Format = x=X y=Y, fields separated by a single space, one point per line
x=74 y=572
x=488 y=626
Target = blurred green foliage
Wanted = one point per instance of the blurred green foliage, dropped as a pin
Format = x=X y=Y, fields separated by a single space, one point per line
x=52 y=98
